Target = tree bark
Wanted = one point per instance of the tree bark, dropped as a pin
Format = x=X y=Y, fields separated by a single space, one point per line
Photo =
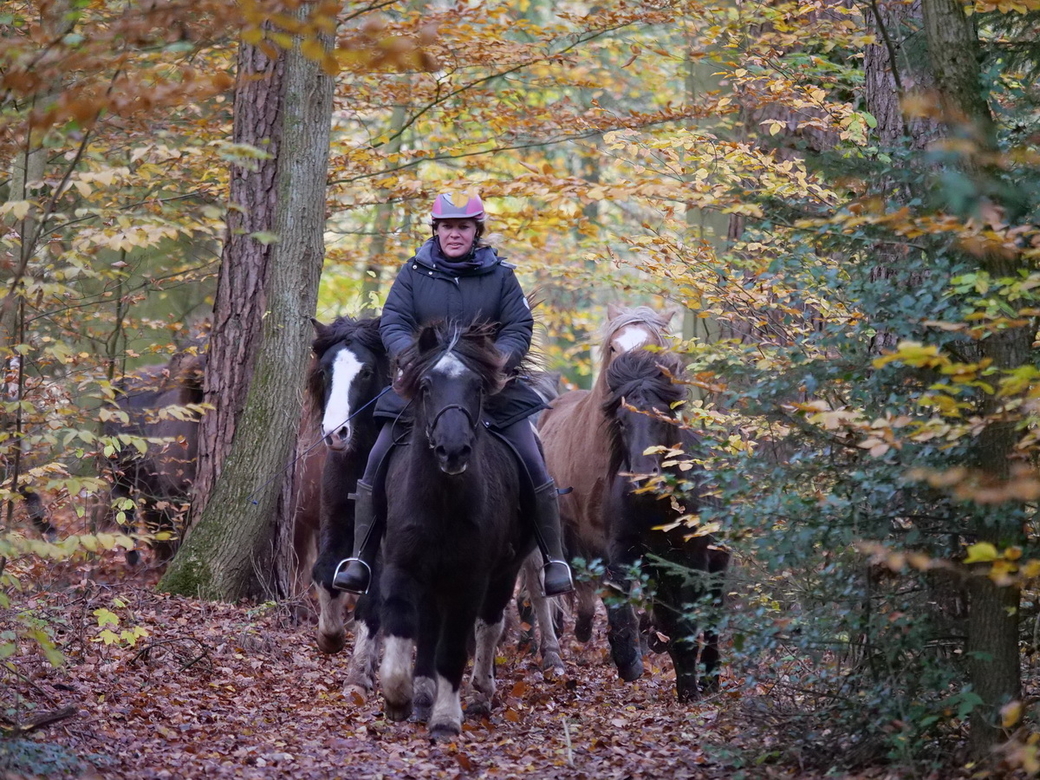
x=992 y=643
x=267 y=293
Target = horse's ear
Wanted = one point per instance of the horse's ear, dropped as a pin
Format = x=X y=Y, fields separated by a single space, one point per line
x=613 y=311
x=319 y=329
x=427 y=339
x=668 y=313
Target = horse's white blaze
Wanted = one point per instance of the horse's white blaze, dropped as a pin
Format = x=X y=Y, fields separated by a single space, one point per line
x=451 y=366
x=487 y=637
x=447 y=708
x=630 y=337
x=395 y=672
x=345 y=369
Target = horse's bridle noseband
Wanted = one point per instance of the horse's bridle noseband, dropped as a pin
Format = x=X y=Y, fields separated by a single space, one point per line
x=474 y=420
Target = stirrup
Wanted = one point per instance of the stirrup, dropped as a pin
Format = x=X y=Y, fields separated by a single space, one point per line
x=570 y=578
x=347 y=562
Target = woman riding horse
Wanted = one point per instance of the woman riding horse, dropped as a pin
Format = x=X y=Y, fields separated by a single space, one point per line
x=454 y=277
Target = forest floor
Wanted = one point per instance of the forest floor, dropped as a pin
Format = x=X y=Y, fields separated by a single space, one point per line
x=192 y=689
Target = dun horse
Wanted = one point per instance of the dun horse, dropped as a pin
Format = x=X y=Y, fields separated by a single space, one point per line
x=644 y=523
x=574 y=433
x=455 y=539
x=349 y=371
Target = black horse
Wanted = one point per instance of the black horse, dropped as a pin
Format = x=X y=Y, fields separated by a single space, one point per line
x=646 y=442
x=455 y=539
x=155 y=431
x=349 y=371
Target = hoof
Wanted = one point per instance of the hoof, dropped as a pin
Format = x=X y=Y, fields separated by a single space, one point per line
x=444 y=732
x=398 y=712
x=356 y=693
x=421 y=710
x=478 y=707
x=552 y=665
x=332 y=643
x=583 y=628
x=632 y=671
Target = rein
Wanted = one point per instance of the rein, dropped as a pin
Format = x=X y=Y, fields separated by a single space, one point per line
x=320 y=441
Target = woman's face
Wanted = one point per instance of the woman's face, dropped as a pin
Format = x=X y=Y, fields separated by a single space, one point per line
x=456 y=236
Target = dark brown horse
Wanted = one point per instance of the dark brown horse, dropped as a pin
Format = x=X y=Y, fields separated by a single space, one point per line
x=655 y=491
x=154 y=445
x=455 y=539
x=349 y=371
x=574 y=434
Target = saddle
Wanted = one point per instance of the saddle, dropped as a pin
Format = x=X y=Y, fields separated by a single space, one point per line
x=527 y=486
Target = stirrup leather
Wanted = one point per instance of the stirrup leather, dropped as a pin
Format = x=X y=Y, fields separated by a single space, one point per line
x=347 y=562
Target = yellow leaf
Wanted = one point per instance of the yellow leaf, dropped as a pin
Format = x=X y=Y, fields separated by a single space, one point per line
x=982 y=552
x=313 y=50
x=1010 y=714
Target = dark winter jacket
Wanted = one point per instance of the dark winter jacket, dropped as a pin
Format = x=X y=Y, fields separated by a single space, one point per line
x=426 y=292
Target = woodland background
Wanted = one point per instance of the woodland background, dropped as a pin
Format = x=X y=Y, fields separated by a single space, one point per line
x=839 y=197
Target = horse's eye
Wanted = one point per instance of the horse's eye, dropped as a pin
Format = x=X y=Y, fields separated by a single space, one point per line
x=366 y=372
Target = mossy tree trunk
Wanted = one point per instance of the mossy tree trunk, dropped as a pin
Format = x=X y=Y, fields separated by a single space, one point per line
x=267 y=292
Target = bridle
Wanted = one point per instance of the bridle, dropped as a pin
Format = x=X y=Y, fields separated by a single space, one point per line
x=473 y=419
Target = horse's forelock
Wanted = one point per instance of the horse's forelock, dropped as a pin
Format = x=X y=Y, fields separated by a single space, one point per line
x=644 y=374
x=474 y=345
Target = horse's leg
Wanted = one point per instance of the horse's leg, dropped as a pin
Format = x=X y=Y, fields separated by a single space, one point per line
x=332 y=634
x=525 y=606
x=623 y=630
x=425 y=682
x=585 y=610
x=718 y=562
x=400 y=624
x=490 y=622
x=671 y=614
x=483 y=677
x=361 y=671
x=543 y=612
x=458 y=616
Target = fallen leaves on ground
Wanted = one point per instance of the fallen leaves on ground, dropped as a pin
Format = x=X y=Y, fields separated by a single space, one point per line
x=241 y=691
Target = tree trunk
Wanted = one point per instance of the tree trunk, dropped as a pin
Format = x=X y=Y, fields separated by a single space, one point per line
x=267 y=292
x=992 y=642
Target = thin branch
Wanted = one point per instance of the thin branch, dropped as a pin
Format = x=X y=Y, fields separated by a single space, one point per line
x=39 y=721
x=441 y=98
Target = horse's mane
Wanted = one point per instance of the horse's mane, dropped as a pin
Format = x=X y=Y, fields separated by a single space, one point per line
x=656 y=321
x=364 y=332
x=473 y=344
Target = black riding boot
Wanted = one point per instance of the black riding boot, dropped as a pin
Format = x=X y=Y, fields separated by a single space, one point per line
x=550 y=540
x=355 y=574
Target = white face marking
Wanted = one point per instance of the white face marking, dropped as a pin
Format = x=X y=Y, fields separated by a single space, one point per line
x=345 y=369
x=630 y=337
x=451 y=366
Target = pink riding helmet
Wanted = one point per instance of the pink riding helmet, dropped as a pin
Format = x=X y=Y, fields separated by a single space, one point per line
x=447 y=207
